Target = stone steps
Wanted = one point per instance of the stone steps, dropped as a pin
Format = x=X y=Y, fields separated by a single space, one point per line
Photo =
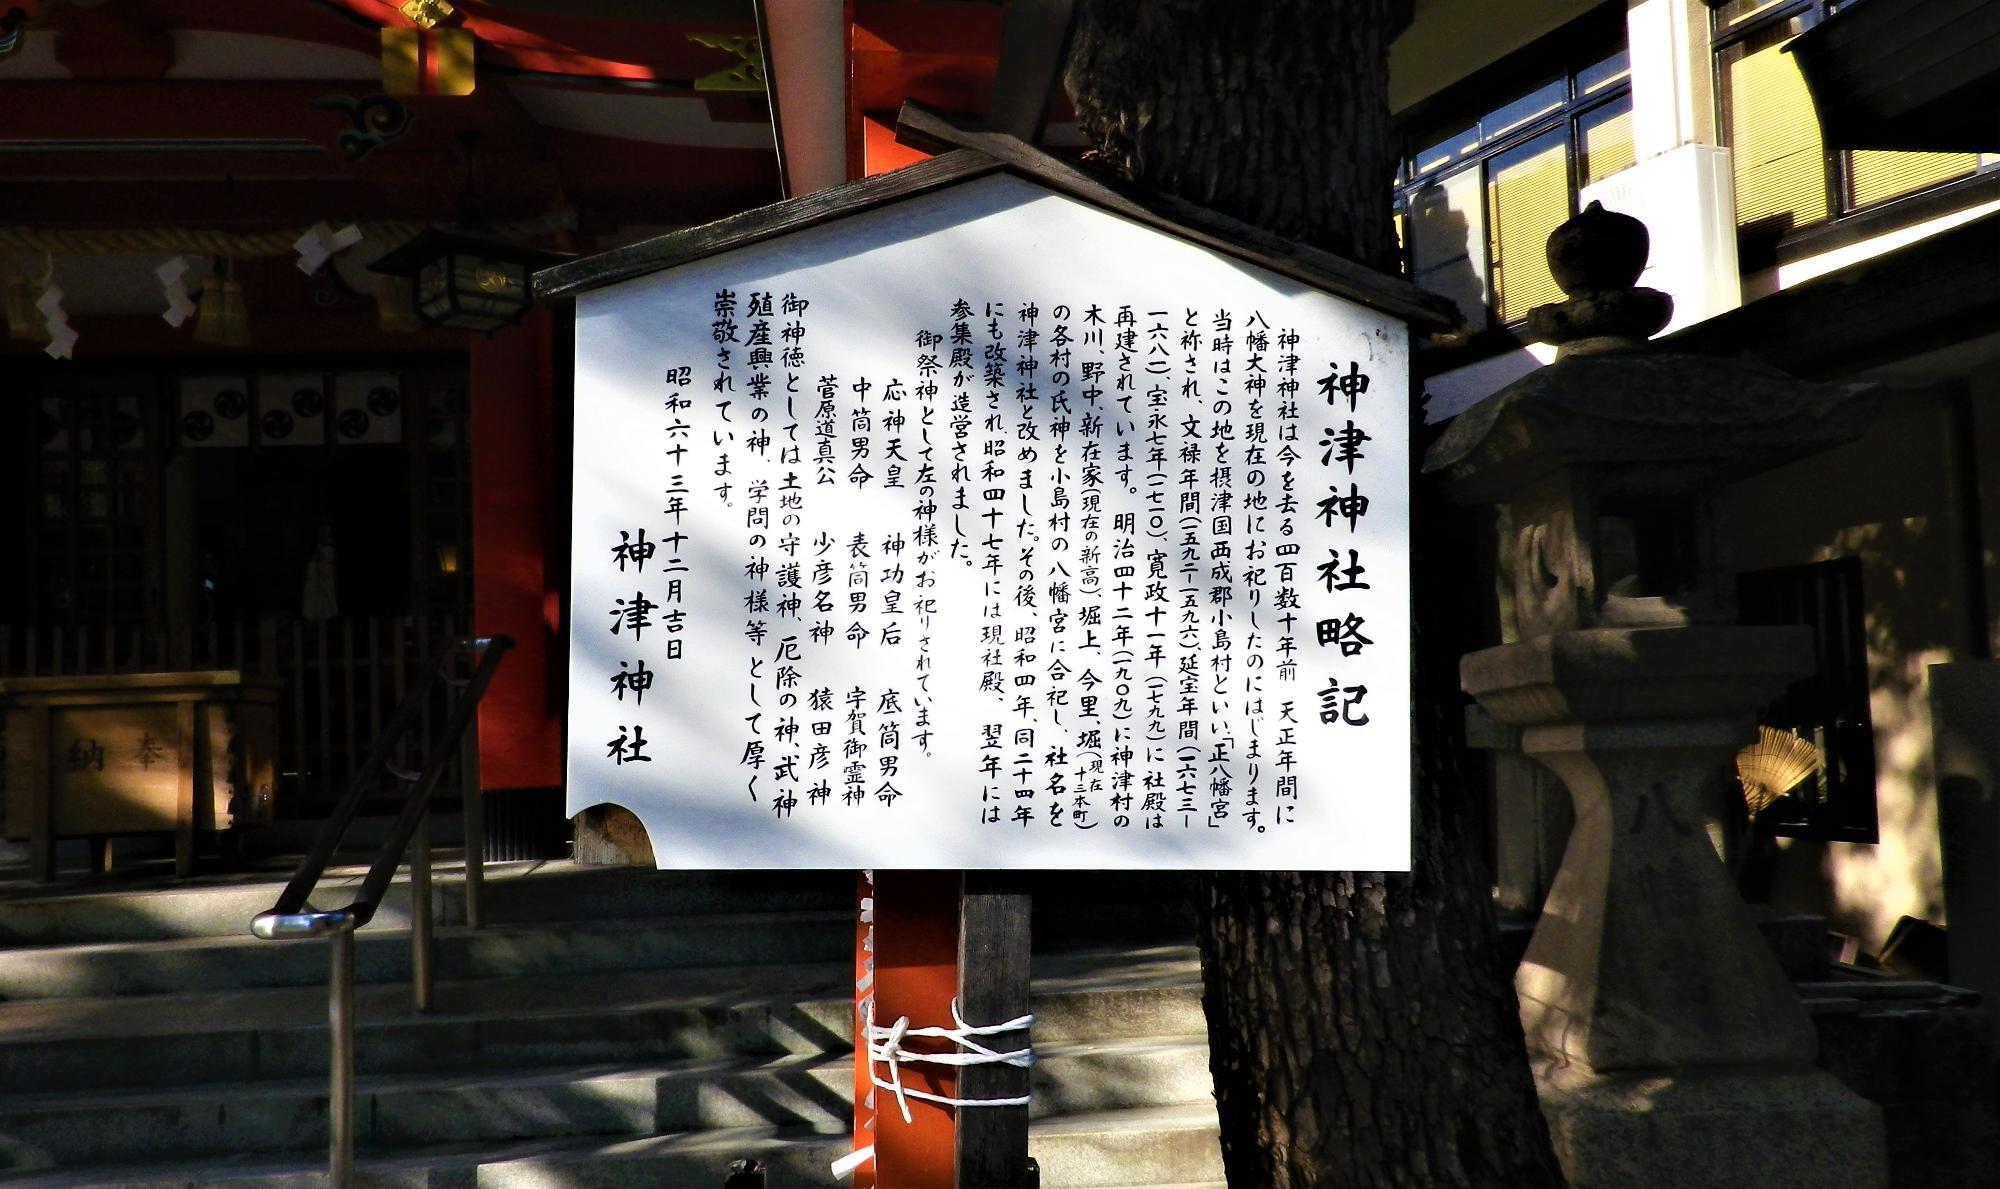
x=499 y=951
x=171 y=1040
x=811 y=1091
x=515 y=894
x=695 y=1012
x=1156 y=1147
x=611 y=1028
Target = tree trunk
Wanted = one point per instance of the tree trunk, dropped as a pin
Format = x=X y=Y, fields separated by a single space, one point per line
x=1362 y=1030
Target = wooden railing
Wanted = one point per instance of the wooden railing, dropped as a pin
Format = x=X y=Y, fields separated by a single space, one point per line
x=457 y=673
x=341 y=679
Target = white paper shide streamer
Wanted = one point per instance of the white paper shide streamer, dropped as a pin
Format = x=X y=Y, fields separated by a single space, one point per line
x=62 y=337
x=320 y=242
x=173 y=279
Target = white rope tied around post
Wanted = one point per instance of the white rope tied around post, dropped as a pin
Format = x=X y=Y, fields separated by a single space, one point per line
x=885 y=1045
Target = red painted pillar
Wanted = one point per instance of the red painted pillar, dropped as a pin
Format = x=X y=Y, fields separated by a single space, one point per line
x=880 y=152
x=517 y=550
x=914 y=934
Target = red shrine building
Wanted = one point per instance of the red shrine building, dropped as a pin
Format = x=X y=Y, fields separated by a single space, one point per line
x=299 y=474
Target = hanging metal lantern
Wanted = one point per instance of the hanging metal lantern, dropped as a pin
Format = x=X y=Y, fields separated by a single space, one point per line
x=466 y=281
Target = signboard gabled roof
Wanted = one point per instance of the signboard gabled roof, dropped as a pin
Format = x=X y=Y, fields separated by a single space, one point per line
x=969 y=154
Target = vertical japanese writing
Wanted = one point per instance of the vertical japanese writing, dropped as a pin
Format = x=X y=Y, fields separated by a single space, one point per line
x=1342 y=635
x=1119 y=556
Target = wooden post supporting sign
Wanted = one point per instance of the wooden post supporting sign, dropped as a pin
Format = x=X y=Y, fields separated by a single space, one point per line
x=993 y=942
x=923 y=939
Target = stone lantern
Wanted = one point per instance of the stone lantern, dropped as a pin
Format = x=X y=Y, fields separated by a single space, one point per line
x=1670 y=1049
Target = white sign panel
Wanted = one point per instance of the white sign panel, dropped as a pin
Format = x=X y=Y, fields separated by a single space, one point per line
x=988 y=529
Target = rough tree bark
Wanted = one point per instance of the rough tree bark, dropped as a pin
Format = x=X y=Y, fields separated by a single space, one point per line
x=1362 y=1029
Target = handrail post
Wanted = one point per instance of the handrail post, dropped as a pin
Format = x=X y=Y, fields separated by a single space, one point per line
x=292 y=917
x=423 y=948
x=340 y=1061
x=474 y=806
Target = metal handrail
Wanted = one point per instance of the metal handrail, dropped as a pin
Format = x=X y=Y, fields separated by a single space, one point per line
x=294 y=918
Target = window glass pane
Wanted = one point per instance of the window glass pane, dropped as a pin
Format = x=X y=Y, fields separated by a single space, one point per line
x=1447 y=149
x=1527 y=196
x=1538 y=102
x=1605 y=138
x=1780 y=163
x=1613 y=70
x=1447 y=231
x=1876 y=175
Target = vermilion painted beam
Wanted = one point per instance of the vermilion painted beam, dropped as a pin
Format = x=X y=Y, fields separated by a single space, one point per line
x=652 y=51
x=100 y=109
x=880 y=150
x=548 y=41
x=940 y=27
x=560 y=43
x=943 y=54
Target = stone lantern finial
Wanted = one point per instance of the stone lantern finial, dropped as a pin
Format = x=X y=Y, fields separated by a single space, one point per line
x=1597 y=256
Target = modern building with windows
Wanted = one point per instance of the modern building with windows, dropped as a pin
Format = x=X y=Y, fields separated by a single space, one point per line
x=1784 y=234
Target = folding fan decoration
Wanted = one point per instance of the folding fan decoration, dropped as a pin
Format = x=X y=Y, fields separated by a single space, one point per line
x=1773 y=766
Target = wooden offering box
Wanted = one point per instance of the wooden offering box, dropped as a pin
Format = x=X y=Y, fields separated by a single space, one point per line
x=136 y=753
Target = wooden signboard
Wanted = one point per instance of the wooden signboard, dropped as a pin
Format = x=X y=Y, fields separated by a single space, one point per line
x=973 y=518
x=100 y=756
x=990 y=529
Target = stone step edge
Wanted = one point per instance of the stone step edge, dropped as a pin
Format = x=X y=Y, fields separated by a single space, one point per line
x=448 y=878
x=707 y=921
x=387 y=1004
x=112 y=887
x=421 y=1163
x=729 y=1142
x=805 y=1003
x=526 y=1077
x=1113 y=970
